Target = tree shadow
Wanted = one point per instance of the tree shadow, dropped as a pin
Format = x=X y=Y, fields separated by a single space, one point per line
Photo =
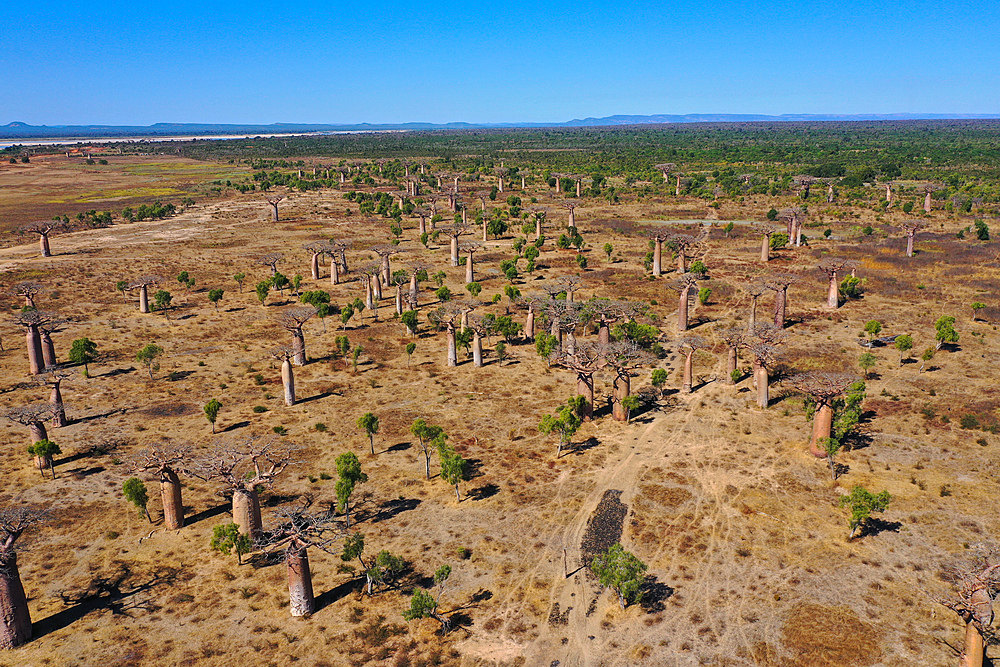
x=185 y=317
x=339 y=592
x=179 y=375
x=120 y=593
x=102 y=415
x=233 y=427
x=483 y=492
x=391 y=508
x=400 y=447
x=840 y=469
x=275 y=499
x=581 y=447
x=317 y=397
x=262 y=559
x=654 y=594
x=235 y=310
x=874 y=526
x=73 y=457
x=80 y=473
x=473 y=468
x=118 y=371
x=207 y=514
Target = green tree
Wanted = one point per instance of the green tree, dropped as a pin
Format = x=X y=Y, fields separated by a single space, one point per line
x=346 y=314
x=729 y=228
x=212 y=411
x=227 y=538
x=630 y=403
x=239 y=278
x=474 y=289
x=831 y=446
x=410 y=320
x=608 y=249
x=621 y=571
x=121 y=286
x=945 y=331
x=430 y=438
x=443 y=293
x=354 y=359
x=873 y=328
x=280 y=282
x=263 y=289
x=778 y=240
x=380 y=571
x=44 y=450
x=545 y=344
x=147 y=356
x=410 y=347
x=976 y=307
x=369 y=423
x=135 y=492
x=161 y=301
x=454 y=468
x=867 y=362
x=83 y=351
x=659 y=378
x=215 y=296
x=439 y=277
x=703 y=295
x=183 y=277
x=925 y=357
x=851 y=287
x=862 y=503
x=349 y=476
x=501 y=352
x=565 y=422
x=424 y=605
x=904 y=344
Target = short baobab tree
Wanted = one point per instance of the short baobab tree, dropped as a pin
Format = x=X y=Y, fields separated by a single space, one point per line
x=274 y=201
x=688 y=345
x=244 y=466
x=285 y=354
x=929 y=189
x=685 y=288
x=564 y=318
x=469 y=249
x=297 y=531
x=416 y=271
x=291 y=320
x=32 y=321
x=832 y=267
x=734 y=338
x=762 y=343
x=53 y=378
x=585 y=360
x=539 y=213
x=143 y=284
x=43 y=228
x=568 y=284
x=779 y=284
x=622 y=358
x=754 y=289
x=824 y=388
x=423 y=213
x=49 y=324
x=766 y=231
x=446 y=316
x=804 y=183
x=34 y=417
x=270 y=259
x=15 y=618
x=571 y=207
x=665 y=169
x=28 y=291
x=605 y=312
x=165 y=461
x=338 y=261
x=681 y=244
x=454 y=233
x=501 y=173
x=316 y=250
x=910 y=227
x=480 y=327
x=975 y=578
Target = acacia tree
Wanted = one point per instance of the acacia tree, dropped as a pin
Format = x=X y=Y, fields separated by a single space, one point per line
x=975 y=578
x=143 y=284
x=165 y=461
x=15 y=619
x=689 y=345
x=43 y=228
x=779 y=284
x=684 y=286
x=824 y=388
x=831 y=267
x=910 y=228
x=291 y=320
x=244 y=466
x=623 y=358
x=766 y=231
x=274 y=201
x=297 y=531
x=621 y=571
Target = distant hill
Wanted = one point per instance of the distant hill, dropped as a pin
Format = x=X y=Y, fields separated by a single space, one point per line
x=19 y=130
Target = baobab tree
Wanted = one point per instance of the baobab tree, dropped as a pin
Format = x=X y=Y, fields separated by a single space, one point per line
x=779 y=284
x=568 y=284
x=831 y=267
x=165 y=461
x=571 y=207
x=243 y=466
x=755 y=289
x=684 y=286
x=446 y=316
x=501 y=173
x=53 y=378
x=423 y=213
x=385 y=251
x=416 y=269
x=143 y=284
x=766 y=231
x=480 y=327
x=274 y=201
x=49 y=324
x=532 y=306
x=316 y=249
x=734 y=338
x=804 y=182
x=43 y=228
x=539 y=213
x=32 y=321
x=688 y=345
x=824 y=388
x=665 y=169
x=606 y=312
x=975 y=577
x=622 y=358
x=585 y=360
x=658 y=238
x=928 y=189
x=27 y=291
x=338 y=250
x=291 y=320
x=482 y=196
x=297 y=531
x=469 y=249
x=270 y=259
x=762 y=343
x=564 y=317
x=681 y=243
x=34 y=417
x=285 y=354
x=454 y=233
x=910 y=227
x=15 y=619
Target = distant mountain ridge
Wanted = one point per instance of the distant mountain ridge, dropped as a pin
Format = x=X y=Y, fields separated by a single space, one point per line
x=20 y=130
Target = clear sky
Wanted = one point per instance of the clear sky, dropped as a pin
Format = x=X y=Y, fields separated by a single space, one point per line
x=438 y=61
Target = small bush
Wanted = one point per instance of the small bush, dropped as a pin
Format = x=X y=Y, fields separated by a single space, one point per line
x=321 y=427
x=259 y=409
x=969 y=422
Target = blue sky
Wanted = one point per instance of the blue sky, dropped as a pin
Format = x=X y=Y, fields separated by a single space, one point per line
x=437 y=61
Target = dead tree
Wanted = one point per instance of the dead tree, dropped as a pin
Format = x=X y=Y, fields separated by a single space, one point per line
x=824 y=388
x=584 y=360
x=166 y=462
x=658 y=238
x=755 y=289
x=53 y=378
x=762 y=343
x=684 y=286
x=270 y=259
x=622 y=358
x=316 y=249
x=27 y=291
x=15 y=619
x=297 y=532
x=446 y=316
x=385 y=251
x=571 y=207
x=243 y=466
x=689 y=345
x=831 y=267
x=469 y=249
x=766 y=231
x=143 y=284
x=779 y=284
x=735 y=338
x=274 y=201
x=291 y=320
x=910 y=227
x=43 y=228
x=32 y=321
x=285 y=354
x=976 y=580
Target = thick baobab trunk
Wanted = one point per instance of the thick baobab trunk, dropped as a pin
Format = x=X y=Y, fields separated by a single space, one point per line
x=454 y=251
x=538 y=228
x=909 y=245
x=300 y=588
x=246 y=512
x=386 y=271
x=763 y=395
x=343 y=260
x=555 y=330
x=578 y=189
x=829 y=194
x=682 y=309
x=423 y=226
x=144 y=299
x=377 y=287
x=832 y=294
x=170 y=495
x=456 y=184
x=798 y=232
x=657 y=254
x=465 y=215
x=477 y=350
x=58 y=409
x=470 y=272
x=15 y=619
x=529 y=325
x=765 y=248
x=731 y=364
x=570 y=342
x=752 y=320
x=572 y=218
x=299 y=347
x=274 y=212
x=399 y=299
x=622 y=387
x=585 y=388
x=413 y=292
x=927 y=203
x=369 y=300
x=500 y=184
x=48 y=349
x=314 y=267
x=334 y=272
x=677 y=192
x=288 y=382
x=973 y=652
x=780 y=301
x=465 y=320
x=822 y=423
x=688 y=372
x=38 y=432
x=34 y=343
x=604 y=333
x=484 y=230
x=681 y=261
x=43 y=245
x=452 y=347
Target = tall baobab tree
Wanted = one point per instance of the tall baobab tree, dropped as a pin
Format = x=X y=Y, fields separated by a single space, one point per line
x=270 y=259
x=501 y=173
x=677 y=190
x=606 y=312
x=681 y=243
x=469 y=249
x=53 y=378
x=803 y=182
x=49 y=324
x=454 y=233
x=779 y=284
x=532 y=306
x=793 y=217
x=32 y=321
x=285 y=354
x=385 y=251
x=143 y=284
x=43 y=228
x=734 y=338
x=338 y=251
x=665 y=169
x=585 y=360
x=558 y=178
x=766 y=231
x=684 y=286
x=399 y=278
x=482 y=196
x=415 y=270
x=762 y=343
x=888 y=193
x=165 y=461
x=568 y=284
x=658 y=237
x=15 y=619
x=316 y=249
x=688 y=345
x=928 y=190
x=831 y=267
x=910 y=227
x=432 y=200
x=274 y=201
x=297 y=532
x=446 y=316
x=371 y=275
x=755 y=289
x=480 y=327
x=291 y=320
x=423 y=213
x=824 y=388
x=571 y=207
x=622 y=358
x=34 y=417
x=243 y=466
x=976 y=579
x=27 y=291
